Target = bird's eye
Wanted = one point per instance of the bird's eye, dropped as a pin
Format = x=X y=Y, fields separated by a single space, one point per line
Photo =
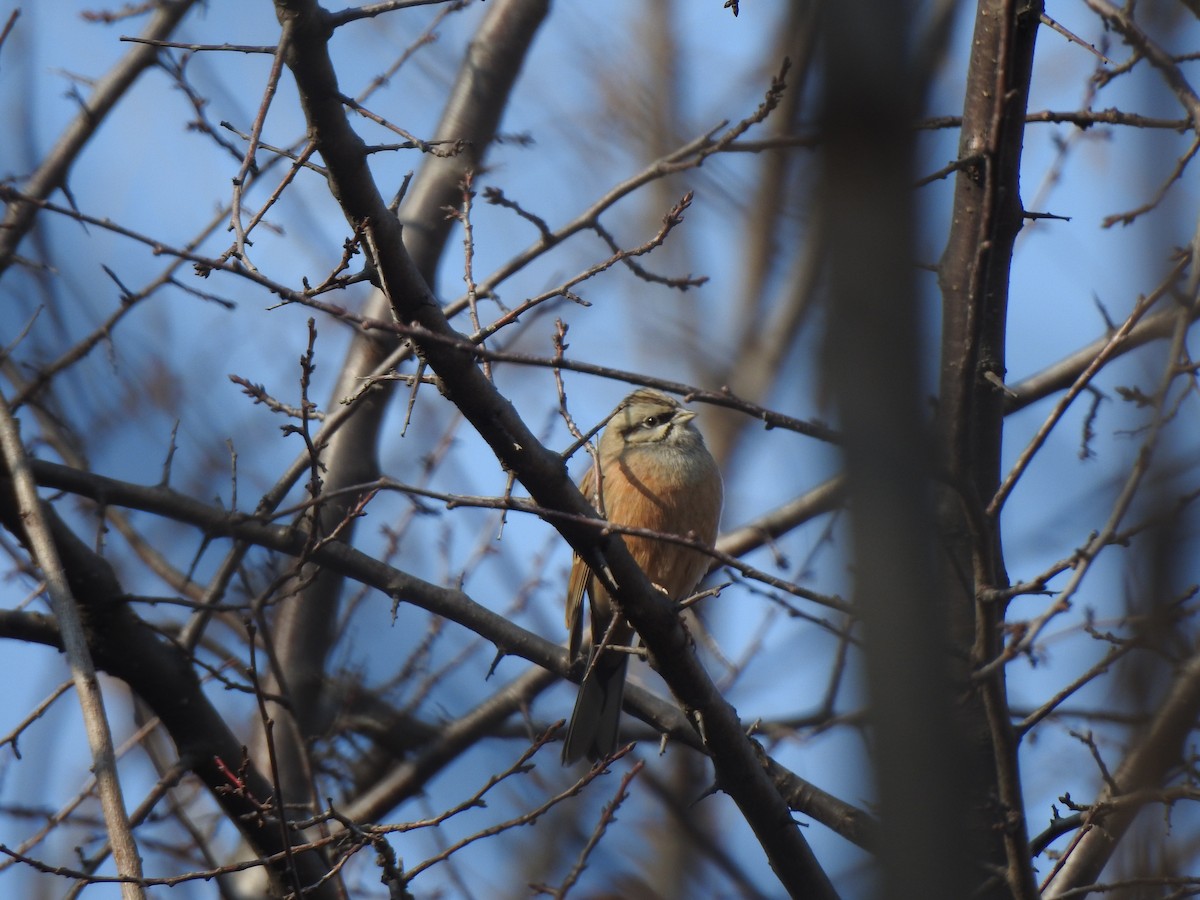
x=651 y=421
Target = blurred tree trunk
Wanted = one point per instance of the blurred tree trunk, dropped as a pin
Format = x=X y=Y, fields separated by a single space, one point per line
x=946 y=757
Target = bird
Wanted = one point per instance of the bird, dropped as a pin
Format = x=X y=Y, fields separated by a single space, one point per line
x=653 y=471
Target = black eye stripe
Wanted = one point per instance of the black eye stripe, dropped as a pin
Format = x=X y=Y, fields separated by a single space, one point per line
x=651 y=421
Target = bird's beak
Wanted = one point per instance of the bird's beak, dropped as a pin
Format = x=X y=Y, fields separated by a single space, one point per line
x=684 y=416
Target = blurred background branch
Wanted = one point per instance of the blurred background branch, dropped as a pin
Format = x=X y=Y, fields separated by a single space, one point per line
x=317 y=549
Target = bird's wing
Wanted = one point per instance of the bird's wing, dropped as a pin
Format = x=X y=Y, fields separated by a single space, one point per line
x=578 y=581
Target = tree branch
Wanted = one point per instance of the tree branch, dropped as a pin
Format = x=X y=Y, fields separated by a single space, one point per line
x=455 y=606
x=26 y=508
x=52 y=173
x=736 y=758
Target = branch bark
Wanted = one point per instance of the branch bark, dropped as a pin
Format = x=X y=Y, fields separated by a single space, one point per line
x=123 y=645
x=1159 y=748
x=973 y=275
x=455 y=606
x=52 y=173
x=305 y=626
x=33 y=529
x=739 y=768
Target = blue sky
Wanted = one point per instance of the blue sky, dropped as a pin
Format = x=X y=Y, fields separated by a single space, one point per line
x=145 y=171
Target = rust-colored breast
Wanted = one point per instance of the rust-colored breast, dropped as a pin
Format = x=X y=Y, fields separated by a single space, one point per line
x=669 y=492
x=661 y=489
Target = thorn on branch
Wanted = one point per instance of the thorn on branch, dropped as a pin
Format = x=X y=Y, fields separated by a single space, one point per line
x=1028 y=214
x=1075 y=39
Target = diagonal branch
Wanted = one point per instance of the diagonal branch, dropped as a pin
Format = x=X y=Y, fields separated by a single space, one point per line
x=123 y=645
x=52 y=173
x=1160 y=746
x=737 y=759
x=36 y=534
x=455 y=606
x=305 y=626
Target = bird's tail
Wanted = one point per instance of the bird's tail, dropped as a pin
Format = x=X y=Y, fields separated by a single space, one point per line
x=596 y=721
